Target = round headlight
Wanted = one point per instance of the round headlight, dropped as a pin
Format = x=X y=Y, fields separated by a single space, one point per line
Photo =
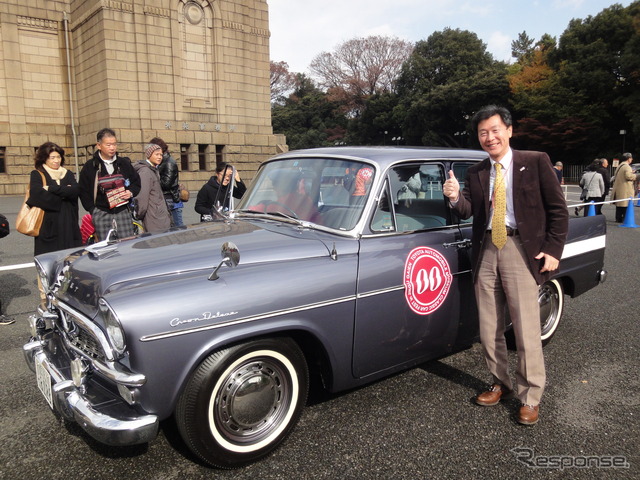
x=115 y=334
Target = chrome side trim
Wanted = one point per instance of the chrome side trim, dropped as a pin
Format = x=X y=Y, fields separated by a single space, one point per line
x=395 y=233
x=372 y=293
x=382 y=291
x=160 y=336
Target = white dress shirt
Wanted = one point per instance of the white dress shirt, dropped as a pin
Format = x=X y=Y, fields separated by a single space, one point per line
x=507 y=176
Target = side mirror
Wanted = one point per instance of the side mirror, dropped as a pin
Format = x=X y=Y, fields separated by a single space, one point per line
x=230 y=257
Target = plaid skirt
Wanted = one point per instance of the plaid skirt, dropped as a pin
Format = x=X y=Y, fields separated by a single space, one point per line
x=122 y=222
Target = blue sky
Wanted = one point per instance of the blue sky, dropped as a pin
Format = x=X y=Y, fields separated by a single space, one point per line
x=301 y=29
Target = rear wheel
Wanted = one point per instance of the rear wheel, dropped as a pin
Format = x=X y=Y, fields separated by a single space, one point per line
x=551 y=303
x=243 y=401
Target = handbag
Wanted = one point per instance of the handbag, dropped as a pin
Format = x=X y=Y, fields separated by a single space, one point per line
x=87 y=230
x=113 y=186
x=585 y=190
x=184 y=193
x=29 y=219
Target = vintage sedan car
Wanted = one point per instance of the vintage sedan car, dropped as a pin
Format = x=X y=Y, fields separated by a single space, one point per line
x=342 y=264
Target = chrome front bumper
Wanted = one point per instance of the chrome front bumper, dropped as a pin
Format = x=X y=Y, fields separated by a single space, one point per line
x=70 y=402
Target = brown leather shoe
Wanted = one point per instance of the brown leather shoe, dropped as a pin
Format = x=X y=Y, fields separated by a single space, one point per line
x=492 y=396
x=528 y=414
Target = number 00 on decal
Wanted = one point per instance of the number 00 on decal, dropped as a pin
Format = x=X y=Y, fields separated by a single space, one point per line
x=427 y=279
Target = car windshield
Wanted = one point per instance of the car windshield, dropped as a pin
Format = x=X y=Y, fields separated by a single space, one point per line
x=324 y=191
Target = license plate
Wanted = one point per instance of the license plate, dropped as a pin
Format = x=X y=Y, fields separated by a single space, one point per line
x=44 y=382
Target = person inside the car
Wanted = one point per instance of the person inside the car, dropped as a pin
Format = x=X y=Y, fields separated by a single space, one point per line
x=292 y=196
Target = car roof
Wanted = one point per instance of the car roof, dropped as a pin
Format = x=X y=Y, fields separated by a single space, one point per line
x=385 y=156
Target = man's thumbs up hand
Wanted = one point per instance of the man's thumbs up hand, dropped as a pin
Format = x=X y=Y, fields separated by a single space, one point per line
x=451 y=187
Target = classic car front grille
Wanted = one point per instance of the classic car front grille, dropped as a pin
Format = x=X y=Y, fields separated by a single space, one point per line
x=84 y=341
x=81 y=338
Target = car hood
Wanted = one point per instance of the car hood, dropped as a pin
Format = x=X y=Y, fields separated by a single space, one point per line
x=99 y=270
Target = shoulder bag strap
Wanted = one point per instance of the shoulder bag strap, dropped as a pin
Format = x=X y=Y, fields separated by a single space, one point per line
x=95 y=188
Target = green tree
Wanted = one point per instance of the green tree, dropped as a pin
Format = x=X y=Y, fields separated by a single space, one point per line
x=594 y=63
x=573 y=99
x=307 y=117
x=628 y=100
x=447 y=78
x=376 y=118
x=522 y=47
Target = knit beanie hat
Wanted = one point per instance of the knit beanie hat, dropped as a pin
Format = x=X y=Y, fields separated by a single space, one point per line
x=150 y=148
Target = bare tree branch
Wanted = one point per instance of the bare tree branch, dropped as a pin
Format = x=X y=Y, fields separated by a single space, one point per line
x=282 y=81
x=361 y=67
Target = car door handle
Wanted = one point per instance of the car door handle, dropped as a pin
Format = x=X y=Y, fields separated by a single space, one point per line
x=465 y=243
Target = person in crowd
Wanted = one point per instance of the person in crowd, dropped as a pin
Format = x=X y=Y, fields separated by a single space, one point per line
x=150 y=201
x=107 y=184
x=623 y=186
x=4 y=231
x=520 y=224
x=58 y=197
x=592 y=185
x=5 y=319
x=558 y=168
x=169 y=180
x=603 y=169
x=213 y=191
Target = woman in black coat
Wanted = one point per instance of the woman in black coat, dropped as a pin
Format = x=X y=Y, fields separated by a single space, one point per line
x=213 y=191
x=58 y=197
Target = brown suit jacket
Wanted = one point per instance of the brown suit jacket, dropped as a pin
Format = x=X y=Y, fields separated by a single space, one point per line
x=540 y=208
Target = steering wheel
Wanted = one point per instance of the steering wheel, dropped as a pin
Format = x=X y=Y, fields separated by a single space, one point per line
x=266 y=203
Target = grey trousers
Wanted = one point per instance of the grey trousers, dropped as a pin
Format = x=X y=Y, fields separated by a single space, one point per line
x=503 y=280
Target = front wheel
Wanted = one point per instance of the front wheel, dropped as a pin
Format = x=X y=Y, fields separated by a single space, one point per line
x=242 y=402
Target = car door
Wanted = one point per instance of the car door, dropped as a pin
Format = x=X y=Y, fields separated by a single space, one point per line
x=414 y=279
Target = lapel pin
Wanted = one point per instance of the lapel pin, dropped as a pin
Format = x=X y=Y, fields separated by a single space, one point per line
x=521 y=168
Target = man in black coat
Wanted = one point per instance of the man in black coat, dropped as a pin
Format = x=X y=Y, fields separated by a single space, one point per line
x=106 y=164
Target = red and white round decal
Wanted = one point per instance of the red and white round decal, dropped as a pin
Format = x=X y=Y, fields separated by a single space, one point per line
x=427 y=280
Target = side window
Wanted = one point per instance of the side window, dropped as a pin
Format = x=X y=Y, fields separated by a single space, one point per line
x=383 y=216
x=413 y=199
x=460 y=171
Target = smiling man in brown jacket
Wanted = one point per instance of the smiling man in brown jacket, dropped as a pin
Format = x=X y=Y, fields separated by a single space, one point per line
x=520 y=224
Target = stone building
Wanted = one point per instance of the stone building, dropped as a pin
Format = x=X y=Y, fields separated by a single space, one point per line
x=193 y=72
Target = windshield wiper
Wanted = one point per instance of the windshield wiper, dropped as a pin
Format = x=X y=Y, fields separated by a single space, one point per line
x=249 y=210
x=274 y=214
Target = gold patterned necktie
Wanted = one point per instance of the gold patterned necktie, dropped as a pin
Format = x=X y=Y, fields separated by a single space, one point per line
x=498 y=226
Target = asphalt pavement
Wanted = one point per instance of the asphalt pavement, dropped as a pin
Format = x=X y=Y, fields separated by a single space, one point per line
x=420 y=424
